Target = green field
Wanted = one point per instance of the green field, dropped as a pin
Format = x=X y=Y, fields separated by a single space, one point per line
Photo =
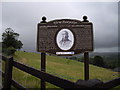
x=64 y=68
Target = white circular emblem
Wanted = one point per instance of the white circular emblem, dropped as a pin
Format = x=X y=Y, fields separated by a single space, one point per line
x=65 y=39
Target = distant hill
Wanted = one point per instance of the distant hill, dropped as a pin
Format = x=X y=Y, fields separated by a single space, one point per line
x=111 y=59
x=106 y=54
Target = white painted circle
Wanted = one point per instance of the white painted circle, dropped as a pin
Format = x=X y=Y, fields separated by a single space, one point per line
x=65 y=39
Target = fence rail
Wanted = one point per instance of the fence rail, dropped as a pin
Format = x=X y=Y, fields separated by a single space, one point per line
x=18 y=86
x=8 y=81
x=112 y=83
x=42 y=75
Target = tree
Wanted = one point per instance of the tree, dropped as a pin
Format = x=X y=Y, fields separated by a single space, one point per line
x=10 y=42
x=98 y=60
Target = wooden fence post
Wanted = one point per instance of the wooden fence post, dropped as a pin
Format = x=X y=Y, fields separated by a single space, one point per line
x=8 y=73
x=86 y=66
x=43 y=68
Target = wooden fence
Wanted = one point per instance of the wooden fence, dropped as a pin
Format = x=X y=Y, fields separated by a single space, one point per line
x=8 y=81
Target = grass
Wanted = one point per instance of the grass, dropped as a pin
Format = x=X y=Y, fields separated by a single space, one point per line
x=64 y=68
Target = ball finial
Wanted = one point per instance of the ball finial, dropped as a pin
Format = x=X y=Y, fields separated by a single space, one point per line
x=43 y=18
x=85 y=19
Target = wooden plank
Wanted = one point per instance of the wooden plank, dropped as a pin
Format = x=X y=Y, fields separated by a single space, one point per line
x=93 y=83
x=112 y=83
x=47 y=77
x=8 y=73
x=3 y=58
x=43 y=68
x=86 y=66
x=43 y=61
x=18 y=86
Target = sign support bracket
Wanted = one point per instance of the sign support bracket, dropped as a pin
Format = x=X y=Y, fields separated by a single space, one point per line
x=86 y=66
x=43 y=68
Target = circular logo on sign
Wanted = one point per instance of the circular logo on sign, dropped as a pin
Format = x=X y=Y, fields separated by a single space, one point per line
x=65 y=39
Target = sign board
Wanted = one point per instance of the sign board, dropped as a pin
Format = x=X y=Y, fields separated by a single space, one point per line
x=65 y=37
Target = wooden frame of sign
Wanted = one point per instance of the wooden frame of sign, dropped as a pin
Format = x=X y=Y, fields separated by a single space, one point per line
x=65 y=37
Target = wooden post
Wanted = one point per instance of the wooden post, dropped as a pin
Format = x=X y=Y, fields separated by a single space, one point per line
x=8 y=73
x=43 y=60
x=86 y=66
x=43 y=68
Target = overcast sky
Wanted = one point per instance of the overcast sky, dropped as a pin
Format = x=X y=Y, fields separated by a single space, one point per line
x=23 y=17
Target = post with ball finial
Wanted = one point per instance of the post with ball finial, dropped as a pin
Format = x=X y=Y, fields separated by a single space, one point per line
x=86 y=57
x=43 y=60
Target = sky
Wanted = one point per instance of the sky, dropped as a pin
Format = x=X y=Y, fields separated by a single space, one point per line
x=23 y=18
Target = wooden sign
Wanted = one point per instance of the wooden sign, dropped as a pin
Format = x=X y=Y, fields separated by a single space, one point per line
x=64 y=36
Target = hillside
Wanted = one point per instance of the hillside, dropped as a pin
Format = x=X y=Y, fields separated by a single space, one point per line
x=64 y=68
x=110 y=59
